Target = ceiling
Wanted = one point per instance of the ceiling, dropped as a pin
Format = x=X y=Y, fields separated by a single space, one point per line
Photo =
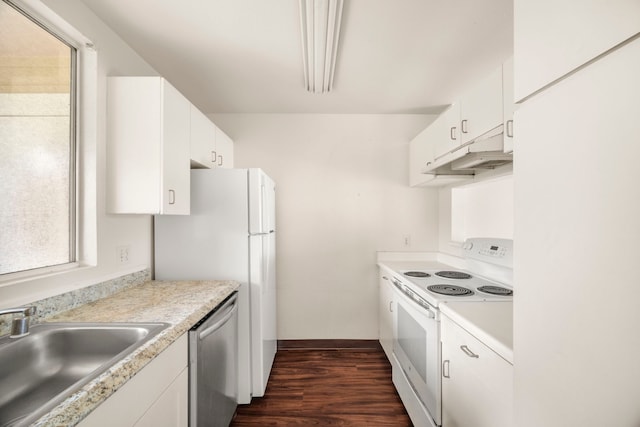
x=245 y=56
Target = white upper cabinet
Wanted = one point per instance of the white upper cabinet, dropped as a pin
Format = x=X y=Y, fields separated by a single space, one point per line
x=421 y=154
x=224 y=149
x=476 y=113
x=148 y=148
x=447 y=133
x=508 y=106
x=479 y=115
x=481 y=107
x=203 y=140
x=423 y=158
x=548 y=45
x=210 y=146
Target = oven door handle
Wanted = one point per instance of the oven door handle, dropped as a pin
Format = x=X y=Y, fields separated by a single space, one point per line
x=408 y=294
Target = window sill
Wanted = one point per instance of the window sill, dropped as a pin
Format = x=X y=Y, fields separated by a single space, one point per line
x=42 y=273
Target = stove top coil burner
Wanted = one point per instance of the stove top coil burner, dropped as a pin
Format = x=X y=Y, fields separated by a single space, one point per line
x=495 y=290
x=453 y=275
x=451 y=290
x=420 y=274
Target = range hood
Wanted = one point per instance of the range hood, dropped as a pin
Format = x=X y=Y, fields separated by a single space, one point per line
x=487 y=160
x=461 y=164
x=484 y=152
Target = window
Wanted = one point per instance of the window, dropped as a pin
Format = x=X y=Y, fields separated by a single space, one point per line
x=37 y=144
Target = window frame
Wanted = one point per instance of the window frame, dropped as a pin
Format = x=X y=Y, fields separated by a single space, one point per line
x=82 y=231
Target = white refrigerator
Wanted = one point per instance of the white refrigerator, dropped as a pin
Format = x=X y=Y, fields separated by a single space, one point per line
x=229 y=235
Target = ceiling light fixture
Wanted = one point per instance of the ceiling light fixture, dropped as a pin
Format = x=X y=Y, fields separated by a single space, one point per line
x=320 y=25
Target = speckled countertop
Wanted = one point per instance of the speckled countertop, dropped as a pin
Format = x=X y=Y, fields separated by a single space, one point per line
x=179 y=303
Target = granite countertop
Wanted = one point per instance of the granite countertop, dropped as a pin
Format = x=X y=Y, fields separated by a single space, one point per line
x=179 y=303
x=489 y=322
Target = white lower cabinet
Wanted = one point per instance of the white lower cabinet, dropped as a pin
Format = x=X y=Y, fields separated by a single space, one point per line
x=156 y=396
x=171 y=408
x=477 y=384
x=386 y=314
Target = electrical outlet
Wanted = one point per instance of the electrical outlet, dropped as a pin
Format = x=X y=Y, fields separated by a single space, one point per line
x=406 y=240
x=122 y=254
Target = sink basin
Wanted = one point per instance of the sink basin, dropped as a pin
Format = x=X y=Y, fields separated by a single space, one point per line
x=55 y=360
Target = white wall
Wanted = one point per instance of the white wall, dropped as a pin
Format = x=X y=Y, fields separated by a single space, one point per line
x=342 y=188
x=104 y=232
x=482 y=208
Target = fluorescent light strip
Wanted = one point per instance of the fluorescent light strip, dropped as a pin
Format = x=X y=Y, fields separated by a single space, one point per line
x=320 y=27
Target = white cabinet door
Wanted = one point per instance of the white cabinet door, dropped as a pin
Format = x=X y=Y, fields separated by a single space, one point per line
x=447 y=135
x=421 y=155
x=176 y=133
x=508 y=106
x=203 y=140
x=553 y=38
x=148 y=132
x=224 y=149
x=481 y=107
x=423 y=151
x=159 y=390
x=477 y=384
x=172 y=407
x=386 y=311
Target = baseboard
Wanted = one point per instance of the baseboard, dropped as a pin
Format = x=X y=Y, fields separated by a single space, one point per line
x=323 y=344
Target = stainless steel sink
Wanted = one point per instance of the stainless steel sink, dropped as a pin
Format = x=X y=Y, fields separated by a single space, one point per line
x=40 y=370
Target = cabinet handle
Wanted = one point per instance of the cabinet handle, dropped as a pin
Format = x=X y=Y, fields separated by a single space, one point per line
x=463 y=126
x=385 y=277
x=221 y=161
x=468 y=352
x=445 y=369
x=390 y=306
x=214 y=157
x=452 y=133
x=172 y=197
x=510 y=128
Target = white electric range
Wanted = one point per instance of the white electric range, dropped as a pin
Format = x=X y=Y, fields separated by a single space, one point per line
x=419 y=288
x=485 y=276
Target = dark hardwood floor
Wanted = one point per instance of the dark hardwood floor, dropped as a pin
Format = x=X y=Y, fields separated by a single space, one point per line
x=327 y=383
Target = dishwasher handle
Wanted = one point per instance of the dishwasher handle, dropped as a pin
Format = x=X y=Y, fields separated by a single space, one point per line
x=231 y=308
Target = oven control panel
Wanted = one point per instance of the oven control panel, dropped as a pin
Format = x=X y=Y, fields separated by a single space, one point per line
x=494 y=251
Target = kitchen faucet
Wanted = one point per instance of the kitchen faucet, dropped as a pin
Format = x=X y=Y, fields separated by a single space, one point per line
x=20 y=325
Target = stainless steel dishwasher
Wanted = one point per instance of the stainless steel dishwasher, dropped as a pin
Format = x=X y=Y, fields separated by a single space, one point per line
x=213 y=376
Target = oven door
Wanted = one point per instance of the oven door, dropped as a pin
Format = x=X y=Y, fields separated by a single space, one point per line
x=416 y=346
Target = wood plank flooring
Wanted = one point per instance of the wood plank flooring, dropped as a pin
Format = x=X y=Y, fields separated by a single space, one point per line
x=327 y=383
